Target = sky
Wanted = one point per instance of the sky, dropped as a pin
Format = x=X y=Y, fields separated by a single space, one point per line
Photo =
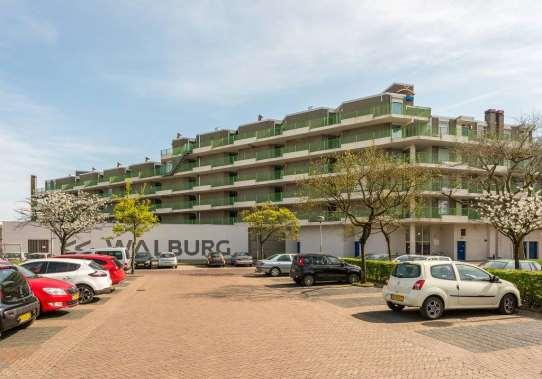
x=90 y=83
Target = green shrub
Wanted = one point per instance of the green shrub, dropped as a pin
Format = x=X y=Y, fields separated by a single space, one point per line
x=529 y=284
x=377 y=271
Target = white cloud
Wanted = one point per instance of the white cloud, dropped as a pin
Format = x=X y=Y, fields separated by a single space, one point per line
x=227 y=54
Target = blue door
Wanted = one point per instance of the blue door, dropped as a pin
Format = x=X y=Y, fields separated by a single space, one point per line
x=357 y=252
x=461 y=250
x=533 y=249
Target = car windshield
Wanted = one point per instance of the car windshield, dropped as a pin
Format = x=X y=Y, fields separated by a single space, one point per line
x=142 y=255
x=406 y=270
x=495 y=264
x=216 y=255
x=272 y=257
x=167 y=255
x=26 y=272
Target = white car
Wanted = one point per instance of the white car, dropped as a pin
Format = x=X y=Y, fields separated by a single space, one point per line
x=414 y=257
x=434 y=286
x=167 y=259
x=89 y=277
x=118 y=252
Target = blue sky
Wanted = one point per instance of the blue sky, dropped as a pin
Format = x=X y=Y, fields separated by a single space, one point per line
x=90 y=83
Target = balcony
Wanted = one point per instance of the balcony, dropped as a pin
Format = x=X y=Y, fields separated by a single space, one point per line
x=365 y=135
x=259 y=197
x=328 y=144
x=269 y=153
x=269 y=132
x=223 y=141
x=267 y=175
x=314 y=123
x=415 y=111
x=374 y=110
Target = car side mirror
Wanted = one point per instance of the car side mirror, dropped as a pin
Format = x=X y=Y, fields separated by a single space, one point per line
x=494 y=279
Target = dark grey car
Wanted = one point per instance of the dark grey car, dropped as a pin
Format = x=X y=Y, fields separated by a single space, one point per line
x=18 y=306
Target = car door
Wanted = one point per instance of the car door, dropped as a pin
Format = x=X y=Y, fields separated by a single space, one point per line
x=337 y=270
x=284 y=262
x=320 y=265
x=475 y=287
x=443 y=276
x=62 y=271
x=37 y=267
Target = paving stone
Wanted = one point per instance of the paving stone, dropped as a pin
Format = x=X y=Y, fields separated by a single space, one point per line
x=353 y=302
x=29 y=336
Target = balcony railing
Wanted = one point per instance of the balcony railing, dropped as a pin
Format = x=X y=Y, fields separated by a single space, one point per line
x=268 y=153
x=266 y=175
x=328 y=144
x=223 y=141
x=260 y=197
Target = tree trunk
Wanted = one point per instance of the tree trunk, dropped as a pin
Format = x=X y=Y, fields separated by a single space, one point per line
x=260 y=248
x=132 y=258
x=387 y=237
x=63 y=244
x=366 y=232
x=517 y=249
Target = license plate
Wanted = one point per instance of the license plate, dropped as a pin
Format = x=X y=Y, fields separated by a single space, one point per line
x=25 y=317
x=75 y=296
x=398 y=297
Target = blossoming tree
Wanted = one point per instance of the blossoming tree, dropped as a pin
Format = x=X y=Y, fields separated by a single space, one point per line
x=65 y=214
x=513 y=215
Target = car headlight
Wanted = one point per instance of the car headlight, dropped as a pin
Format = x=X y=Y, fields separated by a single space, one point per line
x=54 y=291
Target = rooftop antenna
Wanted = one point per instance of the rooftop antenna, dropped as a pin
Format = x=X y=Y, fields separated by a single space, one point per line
x=147 y=159
x=179 y=135
x=260 y=117
x=119 y=164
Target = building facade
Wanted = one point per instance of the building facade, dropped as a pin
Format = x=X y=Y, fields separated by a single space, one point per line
x=211 y=178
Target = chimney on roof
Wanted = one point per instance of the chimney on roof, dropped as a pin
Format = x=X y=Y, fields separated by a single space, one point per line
x=260 y=117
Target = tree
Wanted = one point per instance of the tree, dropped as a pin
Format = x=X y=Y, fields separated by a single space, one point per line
x=268 y=220
x=364 y=186
x=133 y=215
x=65 y=214
x=506 y=168
x=387 y=225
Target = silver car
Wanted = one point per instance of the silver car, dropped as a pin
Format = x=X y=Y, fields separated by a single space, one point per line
x=275 y=265
x=242 y=260
x=167 y=259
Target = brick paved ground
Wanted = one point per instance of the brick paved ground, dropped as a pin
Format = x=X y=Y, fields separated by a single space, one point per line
x=194 y=322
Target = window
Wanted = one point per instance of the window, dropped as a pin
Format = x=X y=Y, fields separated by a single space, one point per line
x=470 y=273
x=406 y=270
x=100 y=262
x=57 y=267
x=38 y=246
x=318 y=260
x=284 y=258
x=93 y=265
x=396 y=107
x=35 y=267
x=12 y=285
x=499 y=265
x=444 y=272
x=463 y=232
x=333 y=260
x=117 y=254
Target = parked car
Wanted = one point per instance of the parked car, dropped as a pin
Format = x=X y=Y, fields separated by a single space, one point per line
x=242 y=260
x=89 y=277
x=167 y=259
x=18 y=306
x=15 y=256
x=275 y=265
x=216 y=259
x=415 y=257
x=377 y=257
x=53 y=294
x=38 y=255
x=435 y=286
x=308 y=269
x=509 y=264
x=111 y=264
x=145 y=260
x=118 y=252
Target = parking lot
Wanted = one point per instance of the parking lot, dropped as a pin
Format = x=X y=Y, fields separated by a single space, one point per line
x=228 y=322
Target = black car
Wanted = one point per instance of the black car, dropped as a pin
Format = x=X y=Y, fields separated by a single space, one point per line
x=310 y=268
x=145 y=260
x=18 y=306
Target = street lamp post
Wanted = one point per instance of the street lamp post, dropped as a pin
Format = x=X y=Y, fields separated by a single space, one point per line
x=320 y=220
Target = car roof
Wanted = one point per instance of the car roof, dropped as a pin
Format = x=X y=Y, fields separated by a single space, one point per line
x=65 y=260
x=86 y=257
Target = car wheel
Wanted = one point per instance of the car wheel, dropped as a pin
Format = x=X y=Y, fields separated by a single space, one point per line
x=432 y=308
x=298 y=281
x=275 y=271
x=353 y=278
x=395 y=307
x=86 y=294
x=308 y=280
x=508 y=304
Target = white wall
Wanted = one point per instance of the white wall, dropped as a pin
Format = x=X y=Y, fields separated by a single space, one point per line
x=334 y=240
x=190 y=241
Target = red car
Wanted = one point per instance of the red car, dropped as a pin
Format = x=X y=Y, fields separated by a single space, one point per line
x=111 y=264
x=53 y=294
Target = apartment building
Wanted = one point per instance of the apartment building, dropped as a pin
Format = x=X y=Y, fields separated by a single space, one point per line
x=211 y=178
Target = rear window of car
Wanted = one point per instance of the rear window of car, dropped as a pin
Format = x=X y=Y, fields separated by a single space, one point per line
x=406 y=270
x=167 y=255
x=13 y=286
x=115 y=253
x=496 y=265
x=95 y=266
